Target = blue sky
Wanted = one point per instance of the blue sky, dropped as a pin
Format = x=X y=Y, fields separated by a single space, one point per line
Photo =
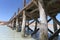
x=9 y=7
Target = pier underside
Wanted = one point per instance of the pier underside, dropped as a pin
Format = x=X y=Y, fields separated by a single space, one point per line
x=32 y=11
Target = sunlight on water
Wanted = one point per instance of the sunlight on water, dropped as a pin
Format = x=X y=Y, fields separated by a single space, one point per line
x=7 y=33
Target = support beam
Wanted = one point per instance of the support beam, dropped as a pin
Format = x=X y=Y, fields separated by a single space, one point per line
x=50 y=2
x=18 y=25
x=35 y=30
x=35 y=3
x=54 y=26
x=12 y=24
x=34 y=10
x=48 y=28
x=27 y=28
x=23 y=21
x=56 y=21
x=18 y=10
x=54 y=35
x=50 y=31
x=31 y=22
x=24 y=3
x=43 y=20
x=35 y=24
x=31 y=13
x=54 y=18
x=49 y=19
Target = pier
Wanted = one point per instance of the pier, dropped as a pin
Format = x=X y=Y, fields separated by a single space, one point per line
x=38 y=11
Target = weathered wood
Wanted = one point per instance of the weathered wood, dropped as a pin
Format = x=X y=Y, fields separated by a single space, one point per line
x=17 y=25
x=35 y=2
x=34 y=10
x=55 y=34
x=27 y=27
x=48 y=28
x=24 y=3
x=18 y=10
x=54 y=26
x=50 y=31
x=43 y=20
x=56 y=21
x=13 y=25
x=23 y=21
x=54 y=18
x=35 y=24
x=50 y=2
x=35 y=30
x=28 y=6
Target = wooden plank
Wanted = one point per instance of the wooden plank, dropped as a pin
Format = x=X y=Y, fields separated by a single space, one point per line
x=34 y=10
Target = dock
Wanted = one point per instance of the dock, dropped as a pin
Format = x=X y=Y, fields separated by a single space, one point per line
x=37 y=9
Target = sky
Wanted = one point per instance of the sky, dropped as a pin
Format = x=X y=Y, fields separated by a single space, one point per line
x=9 y=7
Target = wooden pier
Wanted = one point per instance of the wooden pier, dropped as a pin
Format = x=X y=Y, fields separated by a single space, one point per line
x=34 y=10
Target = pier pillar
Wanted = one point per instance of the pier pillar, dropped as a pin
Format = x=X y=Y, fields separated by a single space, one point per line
x=23 y=24
x=13 y=24
x=10 y=24
x=18 y=25
x=23 y=21
x=54 y=26
x=36 y=24
x=43 y=21
x=55 y=29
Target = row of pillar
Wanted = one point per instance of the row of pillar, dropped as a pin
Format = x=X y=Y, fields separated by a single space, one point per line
x=20 y=25
x=43 y=27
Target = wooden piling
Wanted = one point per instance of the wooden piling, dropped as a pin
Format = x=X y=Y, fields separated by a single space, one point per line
x=54 y=26
x=13 y=24
x=23 y=21
x=36 y=24
x=55 y=29
x=43 y=20
x=17 y=24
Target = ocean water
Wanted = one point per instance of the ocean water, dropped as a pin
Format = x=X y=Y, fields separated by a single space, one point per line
x=7 y=33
